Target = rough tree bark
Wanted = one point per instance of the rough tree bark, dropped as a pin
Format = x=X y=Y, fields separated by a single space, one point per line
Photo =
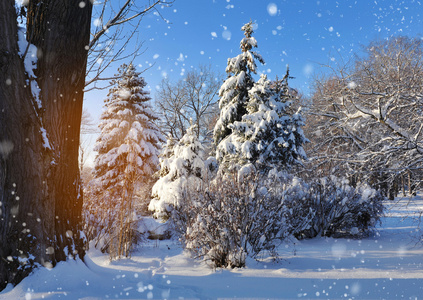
x=40 y=191
x=20 y=159
x=61 y=32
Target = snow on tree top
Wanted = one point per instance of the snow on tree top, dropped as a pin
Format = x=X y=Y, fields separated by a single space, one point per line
x=248 y=29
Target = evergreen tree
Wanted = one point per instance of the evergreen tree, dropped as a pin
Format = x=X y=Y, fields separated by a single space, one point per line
x=270 y=135
x=166 y=156
x=291 y=125
x=234 y=91
x=128 y=146
x=179 y=172
x=128 y=132
x=256 y=123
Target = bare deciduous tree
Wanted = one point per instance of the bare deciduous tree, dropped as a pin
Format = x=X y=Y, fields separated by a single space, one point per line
x=193 y=97
x=370 y=114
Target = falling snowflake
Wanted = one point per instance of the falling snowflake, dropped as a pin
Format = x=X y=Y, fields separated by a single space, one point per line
x=272 y=9
x=181 y=57
x=97 y=22
x=226 y=34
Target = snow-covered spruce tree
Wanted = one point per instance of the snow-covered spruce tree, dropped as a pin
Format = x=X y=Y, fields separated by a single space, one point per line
x=128 y=149
x=166 y=157
x=269 y=135
x=144 y=193
x=181 y=170
x=234 y=91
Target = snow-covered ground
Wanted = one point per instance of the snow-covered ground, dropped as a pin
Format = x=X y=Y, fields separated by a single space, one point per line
x=388 y=265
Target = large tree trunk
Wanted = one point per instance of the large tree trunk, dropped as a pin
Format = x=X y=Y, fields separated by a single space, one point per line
x=61 y=32
x=25 y=218
x=45 y=220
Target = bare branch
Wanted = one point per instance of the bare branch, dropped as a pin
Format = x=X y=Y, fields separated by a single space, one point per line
x=366 y=119
x=110 y=39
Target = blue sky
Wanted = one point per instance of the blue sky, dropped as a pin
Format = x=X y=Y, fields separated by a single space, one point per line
x=302 y=34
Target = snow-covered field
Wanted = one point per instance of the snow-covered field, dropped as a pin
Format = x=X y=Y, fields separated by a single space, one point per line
x=388 y=265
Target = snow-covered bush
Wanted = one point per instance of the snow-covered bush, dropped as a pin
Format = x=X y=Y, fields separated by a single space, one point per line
x=182 y=166
x=344 y=210
x=330 y=207
x=101 y=215
x=230 y=220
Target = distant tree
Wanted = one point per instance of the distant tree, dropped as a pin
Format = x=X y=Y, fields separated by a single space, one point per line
x=331 y=143
x=234 y=91
x=170 y=101
x=368 y=116
x=192 y=98
x=128 y=148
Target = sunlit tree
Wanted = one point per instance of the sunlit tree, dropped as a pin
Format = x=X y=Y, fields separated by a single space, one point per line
x=128 y=148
